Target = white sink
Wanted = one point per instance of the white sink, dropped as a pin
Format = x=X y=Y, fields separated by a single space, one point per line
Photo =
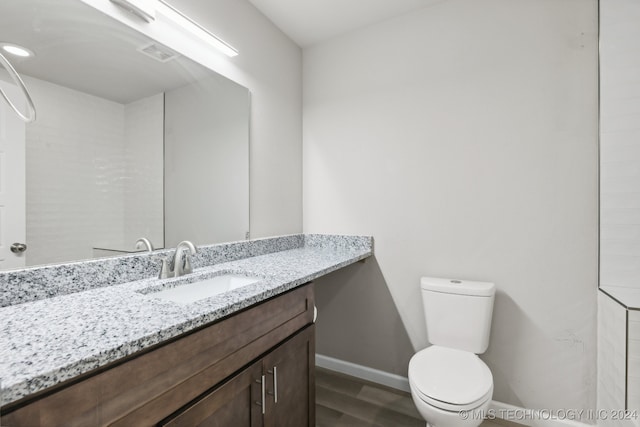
x=191 y=292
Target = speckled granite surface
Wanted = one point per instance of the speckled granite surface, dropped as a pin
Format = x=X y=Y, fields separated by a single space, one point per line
x=51 y=340
x=32 y=284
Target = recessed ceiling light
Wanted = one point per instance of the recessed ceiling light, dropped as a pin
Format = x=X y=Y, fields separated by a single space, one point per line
x=16 y=50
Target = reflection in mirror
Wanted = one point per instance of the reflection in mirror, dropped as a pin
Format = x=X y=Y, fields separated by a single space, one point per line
x=131 y=140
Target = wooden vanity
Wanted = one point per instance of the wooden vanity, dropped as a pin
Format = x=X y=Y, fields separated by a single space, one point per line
x=253 y=368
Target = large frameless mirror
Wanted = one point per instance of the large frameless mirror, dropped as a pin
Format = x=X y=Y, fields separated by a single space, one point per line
x=131 y=140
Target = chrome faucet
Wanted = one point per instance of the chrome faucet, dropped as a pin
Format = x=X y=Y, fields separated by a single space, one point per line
x=143 y=241
x=179 y=266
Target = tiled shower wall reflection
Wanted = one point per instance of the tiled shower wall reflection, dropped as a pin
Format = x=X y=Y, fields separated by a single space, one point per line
x=86 y=158
x=144 y=156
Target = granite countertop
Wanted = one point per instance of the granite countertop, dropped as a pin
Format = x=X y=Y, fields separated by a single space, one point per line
x=49 y=341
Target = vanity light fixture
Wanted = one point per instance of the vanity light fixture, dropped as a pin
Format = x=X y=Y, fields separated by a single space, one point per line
x=30 y=115
x=145 y=9
x=16 y=50
x=197 y=30
x=152 y=10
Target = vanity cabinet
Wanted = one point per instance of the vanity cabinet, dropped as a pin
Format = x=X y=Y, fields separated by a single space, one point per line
x=206 y=377
x=290 y=402
x=272 y=392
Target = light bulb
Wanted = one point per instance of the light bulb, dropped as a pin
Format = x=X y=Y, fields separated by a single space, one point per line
x=17 y=50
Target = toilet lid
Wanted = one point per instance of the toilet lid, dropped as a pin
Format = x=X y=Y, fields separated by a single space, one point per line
x=450 y=376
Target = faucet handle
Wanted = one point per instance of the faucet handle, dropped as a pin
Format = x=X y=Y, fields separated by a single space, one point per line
x=187 y=266
x=165 y=271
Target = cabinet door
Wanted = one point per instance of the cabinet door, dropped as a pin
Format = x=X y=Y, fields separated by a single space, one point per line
x=290 y=372
x=236 y=403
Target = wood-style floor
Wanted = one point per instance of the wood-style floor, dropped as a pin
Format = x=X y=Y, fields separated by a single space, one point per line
x=343 y=401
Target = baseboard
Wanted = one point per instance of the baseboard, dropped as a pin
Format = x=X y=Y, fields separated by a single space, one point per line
x=503 y=413
x=363 y=372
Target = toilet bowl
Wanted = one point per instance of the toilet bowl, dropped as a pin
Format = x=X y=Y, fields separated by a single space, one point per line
x=450 y=385
x=450 y=388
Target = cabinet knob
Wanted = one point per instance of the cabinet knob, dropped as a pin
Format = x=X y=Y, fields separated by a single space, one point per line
x=18 y=248
x=274 y=372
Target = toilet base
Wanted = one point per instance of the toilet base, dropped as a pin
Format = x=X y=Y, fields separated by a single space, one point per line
x=437 y=417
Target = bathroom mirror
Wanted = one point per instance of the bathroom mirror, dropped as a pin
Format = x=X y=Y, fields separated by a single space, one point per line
x=131 y=140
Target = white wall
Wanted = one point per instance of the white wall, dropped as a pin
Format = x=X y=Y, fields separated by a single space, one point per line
x=464 y=138
x=269 y=65
x=619 y=146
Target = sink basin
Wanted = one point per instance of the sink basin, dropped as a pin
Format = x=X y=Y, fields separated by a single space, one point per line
x=191 y=292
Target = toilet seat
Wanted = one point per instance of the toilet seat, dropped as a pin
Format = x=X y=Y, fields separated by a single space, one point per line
x=450 y=379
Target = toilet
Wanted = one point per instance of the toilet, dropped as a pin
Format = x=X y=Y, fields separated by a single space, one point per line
x=450 y=385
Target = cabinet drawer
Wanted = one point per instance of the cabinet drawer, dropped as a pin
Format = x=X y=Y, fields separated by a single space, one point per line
x=150 y=386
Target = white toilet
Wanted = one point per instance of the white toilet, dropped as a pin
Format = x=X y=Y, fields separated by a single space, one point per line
x=450 y=385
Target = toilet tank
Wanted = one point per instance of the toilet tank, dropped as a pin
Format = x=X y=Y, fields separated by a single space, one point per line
x=458 y=313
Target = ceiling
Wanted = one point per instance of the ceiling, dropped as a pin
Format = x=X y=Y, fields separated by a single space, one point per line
x=80 y=48
x=308 y=22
